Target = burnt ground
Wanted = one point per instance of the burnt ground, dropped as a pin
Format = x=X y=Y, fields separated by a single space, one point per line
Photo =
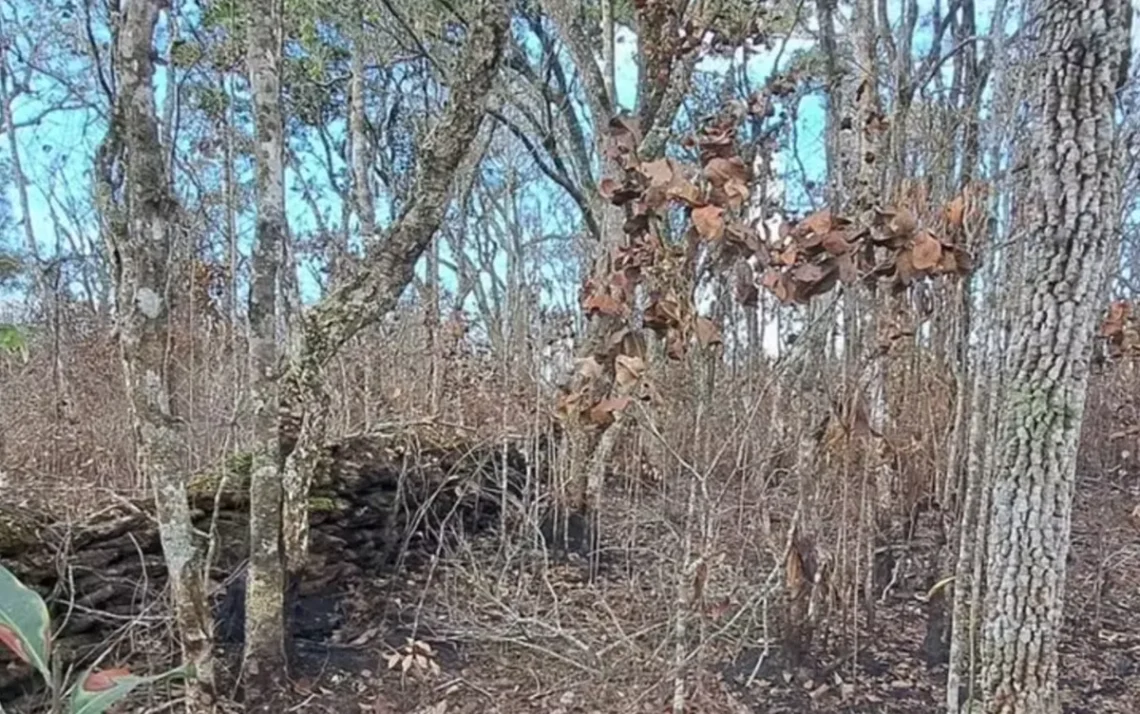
x=514 y=632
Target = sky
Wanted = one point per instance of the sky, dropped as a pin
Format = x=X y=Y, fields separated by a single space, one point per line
x=57 y=155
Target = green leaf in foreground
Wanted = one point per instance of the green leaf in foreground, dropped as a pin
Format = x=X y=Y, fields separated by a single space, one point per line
x=25 y=626
x=99 y=689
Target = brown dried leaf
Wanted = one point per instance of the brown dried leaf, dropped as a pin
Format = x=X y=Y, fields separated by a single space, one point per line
x=721 y=172
x=777 y=284
x=602 y=413
x=835 y=242
x=736 y=193
x=808 y=273
x=707 y=332
x=674 y=344
x=927 y=251
x=1118 y=314
x=589 y=369
x=818 y=222
x=955 y=211
x=902 y=223
x=904 y=267
x=709 y=222
x=628 y=370
x=660 y=172
x=663 y=313
x=604 y=304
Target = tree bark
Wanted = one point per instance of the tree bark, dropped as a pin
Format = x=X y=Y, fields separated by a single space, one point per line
x=265 y=659
x=1073 y=234
x=363 y=297
x=140 y=243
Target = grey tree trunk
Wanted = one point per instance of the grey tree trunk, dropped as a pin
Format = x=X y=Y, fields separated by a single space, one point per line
x=140 y=243
x=363 y=297
x=1073 y=233
x=265 y=630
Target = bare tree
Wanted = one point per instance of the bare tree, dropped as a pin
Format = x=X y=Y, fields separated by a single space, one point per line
x=140 y=241
x=388 y=268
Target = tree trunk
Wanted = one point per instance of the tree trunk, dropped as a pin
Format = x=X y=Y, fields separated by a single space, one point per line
x=363 y=297
x=139 y=250
x=265 y=658
x=1073 y=234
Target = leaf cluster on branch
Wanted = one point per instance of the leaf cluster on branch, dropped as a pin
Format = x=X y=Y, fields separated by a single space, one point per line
x=900 y=243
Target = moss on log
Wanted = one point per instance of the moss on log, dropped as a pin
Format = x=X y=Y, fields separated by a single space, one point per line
x=376 y=490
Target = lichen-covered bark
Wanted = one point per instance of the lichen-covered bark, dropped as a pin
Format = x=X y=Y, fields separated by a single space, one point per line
x=265 y=659
x=140 y=243
x=388 y=267
x=1076 y=178
x=361 y=150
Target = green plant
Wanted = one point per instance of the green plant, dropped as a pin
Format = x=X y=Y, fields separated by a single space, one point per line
x=25 y=629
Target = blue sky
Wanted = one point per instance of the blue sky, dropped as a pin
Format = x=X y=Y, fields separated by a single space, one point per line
x=57 y=156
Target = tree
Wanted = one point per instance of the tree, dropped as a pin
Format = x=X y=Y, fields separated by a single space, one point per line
x=388 y=267
x=140 y=241
x=1072 y=241
x=265 y=657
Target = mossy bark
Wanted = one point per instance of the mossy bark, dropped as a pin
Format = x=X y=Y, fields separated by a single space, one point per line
x=374 y=289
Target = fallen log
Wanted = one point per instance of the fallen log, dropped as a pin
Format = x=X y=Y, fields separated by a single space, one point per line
x=376 y=494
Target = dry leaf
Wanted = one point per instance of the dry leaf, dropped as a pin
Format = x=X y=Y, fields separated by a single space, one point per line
x=709 y=222
x=818 y=222
x=903 y=223
x=955 y=211
x=707 y=332
x=628 y=370
x=927 y=251
x=605 y=305
x=723 y=171
x=602 y=413
x=835 y=242
x=660 y=172
x=808 y=273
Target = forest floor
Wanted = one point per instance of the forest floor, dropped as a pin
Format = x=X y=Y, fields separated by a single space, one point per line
x=601 y=647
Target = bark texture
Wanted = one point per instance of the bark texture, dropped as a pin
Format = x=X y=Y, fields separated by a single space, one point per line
x=1075 y=206
x=388 y=268
x=140 y=242
x=265 y=658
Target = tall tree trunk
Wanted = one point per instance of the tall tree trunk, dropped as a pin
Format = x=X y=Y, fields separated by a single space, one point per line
x=140 y=244
x=374 y=288
x=265 y=628
x=1073 y=234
